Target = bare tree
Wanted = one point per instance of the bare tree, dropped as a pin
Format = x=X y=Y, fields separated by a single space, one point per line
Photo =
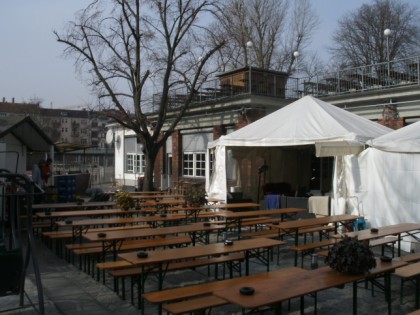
x=276 y=29
x=360 y=40
x=120 y=43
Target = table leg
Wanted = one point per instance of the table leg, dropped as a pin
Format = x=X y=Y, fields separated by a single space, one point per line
x=247 y=262
x=296 y=244
x=354 y=297
x=417 y=292
x=387 y=279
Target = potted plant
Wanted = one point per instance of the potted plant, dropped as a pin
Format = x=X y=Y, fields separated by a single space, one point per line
x=195 y=195
x=124 y=200
x=351 y=256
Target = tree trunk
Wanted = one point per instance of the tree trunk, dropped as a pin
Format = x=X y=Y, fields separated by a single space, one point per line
x=150 y=158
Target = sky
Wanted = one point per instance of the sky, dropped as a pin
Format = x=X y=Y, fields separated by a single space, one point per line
x=32 y=65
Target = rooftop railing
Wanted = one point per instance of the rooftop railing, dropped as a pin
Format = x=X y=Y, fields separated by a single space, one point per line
x=384 y=75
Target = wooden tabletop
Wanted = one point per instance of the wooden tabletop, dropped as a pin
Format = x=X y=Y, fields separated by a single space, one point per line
x=158 y=197
x=217 y=206
x=257 y=213
x=183 y=253
x=385 y=231
x=210 y=287
x=74 y=205
x=118 y=220
x=274 y=291
x=128 y=234
x=82 y=213
x=137 y=192
x=304 y=223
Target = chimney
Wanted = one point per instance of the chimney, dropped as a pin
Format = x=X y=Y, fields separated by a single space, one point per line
x=13 y=99
x=4 y=99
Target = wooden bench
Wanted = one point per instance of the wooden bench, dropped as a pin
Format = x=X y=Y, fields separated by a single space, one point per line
x=194 y=305
x=60 y=236
x=204 y=290
x=384 y=241
x=151 y=243
x=410 y=258
x=411 y=272
x=306 y=249
x=119 y=272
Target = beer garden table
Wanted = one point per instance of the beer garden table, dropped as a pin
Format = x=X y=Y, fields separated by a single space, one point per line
x=160 y=259
x=235 y=218
x=274 y=291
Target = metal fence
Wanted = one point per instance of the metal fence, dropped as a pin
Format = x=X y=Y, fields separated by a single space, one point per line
x=396 y=73
x=383 y=75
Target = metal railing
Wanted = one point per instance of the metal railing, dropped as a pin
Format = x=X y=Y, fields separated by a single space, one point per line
x=383 y=75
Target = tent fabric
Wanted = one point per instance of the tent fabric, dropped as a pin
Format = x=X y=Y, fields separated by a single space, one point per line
x=305 y=121
x=385 y=179
x=290 y=129
x=404 y=140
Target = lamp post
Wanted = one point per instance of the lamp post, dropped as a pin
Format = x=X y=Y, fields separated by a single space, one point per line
x=387 y=33
x=249 y=46
x=296 y=55
x=153 y=77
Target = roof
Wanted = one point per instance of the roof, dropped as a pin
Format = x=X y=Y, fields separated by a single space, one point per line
x=304 y=122
x=26 y=131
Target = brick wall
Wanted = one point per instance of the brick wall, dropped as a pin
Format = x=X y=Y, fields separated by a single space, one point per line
x=396 y=123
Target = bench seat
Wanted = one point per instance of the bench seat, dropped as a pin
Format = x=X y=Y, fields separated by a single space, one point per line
x=133 y=272
x=194 y=305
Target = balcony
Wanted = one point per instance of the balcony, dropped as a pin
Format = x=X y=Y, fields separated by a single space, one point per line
x=245 y=82
x=398 y=73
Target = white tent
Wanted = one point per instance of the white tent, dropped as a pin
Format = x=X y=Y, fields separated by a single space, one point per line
x=387 y=178
x=285 y=141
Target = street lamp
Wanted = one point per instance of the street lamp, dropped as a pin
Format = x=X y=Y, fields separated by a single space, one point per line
x=249 y=46
x=296 y=55
x=153 y=77
x=387 y=33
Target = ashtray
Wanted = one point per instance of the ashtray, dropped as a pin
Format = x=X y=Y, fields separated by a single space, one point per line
x=142 y=254
x=386 y=259
x=374 y=230
x=101 y=234
x=69 y=221
x=228 y=242
x=163 y=215
x=247 y=290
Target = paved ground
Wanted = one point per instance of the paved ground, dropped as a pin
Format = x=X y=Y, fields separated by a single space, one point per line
x=70 y=291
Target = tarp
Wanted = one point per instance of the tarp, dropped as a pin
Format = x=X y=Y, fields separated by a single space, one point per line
x=404 y=140
x=385 y=179
x=280 y=139
x=305 y=121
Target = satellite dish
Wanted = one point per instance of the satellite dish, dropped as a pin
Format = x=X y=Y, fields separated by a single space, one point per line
x=109 y=138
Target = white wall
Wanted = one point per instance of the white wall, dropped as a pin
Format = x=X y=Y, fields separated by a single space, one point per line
x=8 y=160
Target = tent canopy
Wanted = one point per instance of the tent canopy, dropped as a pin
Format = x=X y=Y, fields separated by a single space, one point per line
x=305 y=121
x=286 y=140
x=404 y=140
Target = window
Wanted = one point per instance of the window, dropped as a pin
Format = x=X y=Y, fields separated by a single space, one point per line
x=194 y=164
x=136 y=163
